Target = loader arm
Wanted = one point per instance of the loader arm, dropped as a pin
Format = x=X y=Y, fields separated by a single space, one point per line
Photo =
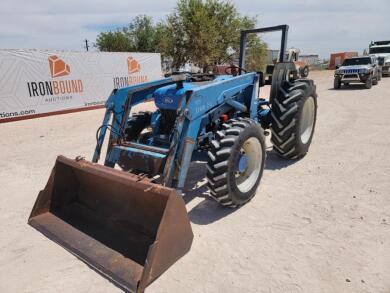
x=118 y=107
x=197 y=105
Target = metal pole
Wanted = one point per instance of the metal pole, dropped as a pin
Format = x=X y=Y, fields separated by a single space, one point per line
x=242 y=50
x=283 y=45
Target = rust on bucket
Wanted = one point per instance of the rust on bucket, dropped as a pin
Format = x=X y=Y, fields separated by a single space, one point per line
x=129 y=230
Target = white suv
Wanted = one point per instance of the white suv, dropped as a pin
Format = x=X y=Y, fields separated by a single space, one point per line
x=358 y=70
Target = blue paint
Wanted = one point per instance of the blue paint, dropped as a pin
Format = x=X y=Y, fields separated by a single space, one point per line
x=130 y=151
x=197 y=106
x=242 y=163
x=169 y=97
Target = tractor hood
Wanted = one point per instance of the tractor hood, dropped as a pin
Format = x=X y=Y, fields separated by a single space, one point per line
x=169 y=97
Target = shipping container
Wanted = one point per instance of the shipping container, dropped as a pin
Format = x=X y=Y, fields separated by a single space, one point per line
x=338 y=58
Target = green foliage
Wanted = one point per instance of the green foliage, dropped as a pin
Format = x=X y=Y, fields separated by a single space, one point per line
x=201 y=32
x=139 y=36
x=142 y=34
x=256 y=53
x=172 y=42
x=206 y=30
x=113 y=42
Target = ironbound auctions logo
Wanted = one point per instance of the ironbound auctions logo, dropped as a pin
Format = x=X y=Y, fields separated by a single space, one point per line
x=57 y=68
x=133 y=66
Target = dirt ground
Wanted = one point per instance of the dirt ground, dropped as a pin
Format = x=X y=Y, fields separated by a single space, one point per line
x=320 y=224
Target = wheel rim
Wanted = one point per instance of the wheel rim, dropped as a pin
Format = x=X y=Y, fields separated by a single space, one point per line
x=307 y=120
x=249 y=164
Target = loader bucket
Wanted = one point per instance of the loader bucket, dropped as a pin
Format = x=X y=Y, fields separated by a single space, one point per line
x=128 y=229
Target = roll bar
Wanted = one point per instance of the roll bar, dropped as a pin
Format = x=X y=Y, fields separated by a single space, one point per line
x=283 y=45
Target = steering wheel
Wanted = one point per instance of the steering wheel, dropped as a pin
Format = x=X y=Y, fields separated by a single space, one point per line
x=233 y=67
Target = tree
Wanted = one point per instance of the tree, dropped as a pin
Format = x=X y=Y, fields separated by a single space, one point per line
x=138 y=36
x=256 y=53
x=171 y=42
x=203 y=31
x=142 y=34
x=113 y=42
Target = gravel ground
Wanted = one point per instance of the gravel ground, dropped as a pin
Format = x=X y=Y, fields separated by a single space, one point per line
x=321 y=224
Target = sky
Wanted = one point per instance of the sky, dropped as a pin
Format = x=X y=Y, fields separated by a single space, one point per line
x=316 y=26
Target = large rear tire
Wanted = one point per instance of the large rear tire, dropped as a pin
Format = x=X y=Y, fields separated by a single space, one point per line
x=236 y=162
x=294 y=113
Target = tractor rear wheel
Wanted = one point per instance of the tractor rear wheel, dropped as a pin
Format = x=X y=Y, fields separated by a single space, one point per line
x=294 y=113
x=236 y=162
x=136 y=124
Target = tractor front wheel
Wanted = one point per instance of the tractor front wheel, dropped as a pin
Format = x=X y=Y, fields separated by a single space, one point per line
x=137 y=127
x=236 y=162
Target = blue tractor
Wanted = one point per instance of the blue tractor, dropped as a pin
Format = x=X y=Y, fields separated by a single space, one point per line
x=127 y=219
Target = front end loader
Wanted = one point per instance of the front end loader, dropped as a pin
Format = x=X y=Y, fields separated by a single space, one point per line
x=127 y=219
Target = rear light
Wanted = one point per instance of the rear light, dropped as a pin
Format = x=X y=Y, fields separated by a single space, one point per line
x=224 y=118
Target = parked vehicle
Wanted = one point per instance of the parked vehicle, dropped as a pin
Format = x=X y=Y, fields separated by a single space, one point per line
x=358 y=70
x=301 y=66
x=381 y=50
